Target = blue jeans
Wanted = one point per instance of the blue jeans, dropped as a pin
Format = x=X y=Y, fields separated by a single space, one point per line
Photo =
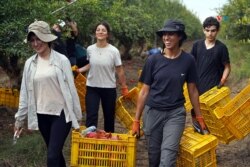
x=163 y=131
x=54 y=130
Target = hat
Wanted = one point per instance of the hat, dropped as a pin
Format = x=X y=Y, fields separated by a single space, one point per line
x=42 y=30
x=173 y=26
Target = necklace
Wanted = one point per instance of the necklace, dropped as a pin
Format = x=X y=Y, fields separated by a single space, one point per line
x=100 y=49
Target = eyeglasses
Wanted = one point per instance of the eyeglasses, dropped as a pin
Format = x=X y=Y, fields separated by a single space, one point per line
x=212 y=30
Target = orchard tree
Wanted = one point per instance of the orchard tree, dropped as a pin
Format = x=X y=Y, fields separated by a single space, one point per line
x=236 y=19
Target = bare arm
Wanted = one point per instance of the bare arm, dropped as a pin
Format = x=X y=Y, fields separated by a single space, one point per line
x=84 y=68
x=141 y=101
x=194 y=98
x=121 y=76
x=74 y=28
x=226 y=72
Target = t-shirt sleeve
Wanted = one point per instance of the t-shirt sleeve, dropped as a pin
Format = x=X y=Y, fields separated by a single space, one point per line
x=194 y=50
x=88 y=55
x=117 y=57
x=146 y=75
x=225 y=55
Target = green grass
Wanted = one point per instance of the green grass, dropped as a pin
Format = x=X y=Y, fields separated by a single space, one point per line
x=29 y=151
x=240 y=60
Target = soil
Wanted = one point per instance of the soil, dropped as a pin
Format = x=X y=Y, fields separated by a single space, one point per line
x=234 y=154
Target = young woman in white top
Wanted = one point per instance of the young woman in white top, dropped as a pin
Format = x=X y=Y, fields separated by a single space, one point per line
x=104 y=63
x=48 y=95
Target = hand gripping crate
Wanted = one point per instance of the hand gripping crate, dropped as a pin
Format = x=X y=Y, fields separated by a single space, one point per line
x=92 y=152
x=208 y=102
x=236 y=114
x=9 y=97
x=125 y=108
x=80 y=83
x=197 y=150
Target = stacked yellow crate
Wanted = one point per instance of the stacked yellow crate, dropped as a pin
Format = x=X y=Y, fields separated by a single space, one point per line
x=208 y=102
x=236 y=114
x=9 y=97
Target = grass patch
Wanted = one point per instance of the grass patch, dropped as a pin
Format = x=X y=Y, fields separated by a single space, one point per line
x=240 y=60
x=29 y=151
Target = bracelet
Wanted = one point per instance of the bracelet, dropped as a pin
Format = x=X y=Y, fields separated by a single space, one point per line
x=137 y=121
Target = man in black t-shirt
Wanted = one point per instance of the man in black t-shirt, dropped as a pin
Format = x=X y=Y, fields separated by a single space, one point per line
x=212 y=58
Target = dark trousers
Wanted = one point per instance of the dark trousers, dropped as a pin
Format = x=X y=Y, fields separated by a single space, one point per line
x=107 y=96
x=54 y=130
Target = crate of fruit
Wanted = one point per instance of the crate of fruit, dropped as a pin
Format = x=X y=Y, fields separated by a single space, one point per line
x=236 y=114
x=80 y=83
x=197 y=150
x=125 y=108
x=118 y=150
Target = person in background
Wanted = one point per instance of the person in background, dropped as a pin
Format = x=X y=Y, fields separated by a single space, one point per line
x=59 y=44
x=67 y=33
x=212 y=58
x=104 y=63
x=161 y=97
x=48 y=95
x=153 y=51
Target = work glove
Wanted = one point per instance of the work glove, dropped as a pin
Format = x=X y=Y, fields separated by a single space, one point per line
x=199 y=125
x=124 y=91
x=136 y=128
x=222 y=82
x=75 y=70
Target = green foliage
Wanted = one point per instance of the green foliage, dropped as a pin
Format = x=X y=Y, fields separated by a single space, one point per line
x=237 y=24
x=240 y=60
x=16 y=16
x=133 y=22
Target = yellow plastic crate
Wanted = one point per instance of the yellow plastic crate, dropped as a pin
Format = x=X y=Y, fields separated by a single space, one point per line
x=80 y=83
x=215 y=98
x=236 y=114
x=125 y=108
x=9 y=97
x=139 y=84
x=89 y=152
x=197 y=150
x=209 y=101
x=188 y=105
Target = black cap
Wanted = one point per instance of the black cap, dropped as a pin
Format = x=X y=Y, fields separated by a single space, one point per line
x=173 y=26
